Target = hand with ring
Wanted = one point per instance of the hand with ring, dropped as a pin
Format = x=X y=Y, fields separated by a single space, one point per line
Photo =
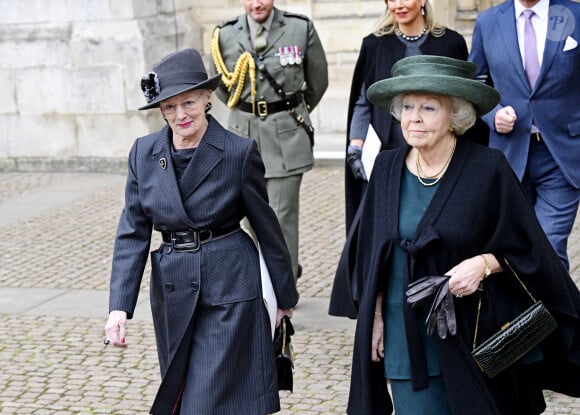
x=115 y=329
x=467 y=275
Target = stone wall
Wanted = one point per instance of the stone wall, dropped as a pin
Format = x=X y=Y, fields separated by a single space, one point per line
x=69 y=77
x=70 y=70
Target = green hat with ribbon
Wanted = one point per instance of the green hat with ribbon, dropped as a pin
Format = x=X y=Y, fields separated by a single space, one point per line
x=437 y=75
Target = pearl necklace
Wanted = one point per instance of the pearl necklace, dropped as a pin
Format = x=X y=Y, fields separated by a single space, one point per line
x=437 y=176
x=411 y=38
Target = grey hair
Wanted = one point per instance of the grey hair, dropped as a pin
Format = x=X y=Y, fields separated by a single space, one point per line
x=462 y=116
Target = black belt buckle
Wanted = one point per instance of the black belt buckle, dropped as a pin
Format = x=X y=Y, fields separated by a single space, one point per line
x=189 y=241
x=262 y=108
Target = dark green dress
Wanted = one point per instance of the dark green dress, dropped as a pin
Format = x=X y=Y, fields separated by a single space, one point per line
x=414 y=200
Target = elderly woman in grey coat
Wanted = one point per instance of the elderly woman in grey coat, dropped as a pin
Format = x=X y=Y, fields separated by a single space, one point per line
x=194 y=182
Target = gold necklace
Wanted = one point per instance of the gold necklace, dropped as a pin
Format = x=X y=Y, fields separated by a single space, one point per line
x=437 y=176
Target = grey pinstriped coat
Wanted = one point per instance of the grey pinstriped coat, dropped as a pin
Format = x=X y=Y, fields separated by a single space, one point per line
x=211 y=326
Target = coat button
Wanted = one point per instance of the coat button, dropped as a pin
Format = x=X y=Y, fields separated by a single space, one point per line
x=168 y=286
x=195 y=286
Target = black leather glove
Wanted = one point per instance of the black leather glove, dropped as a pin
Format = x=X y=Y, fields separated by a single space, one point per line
x=423 y=288
x=441 y=315
x=353 y=158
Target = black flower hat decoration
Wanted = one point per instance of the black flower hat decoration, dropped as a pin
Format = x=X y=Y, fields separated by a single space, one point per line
x=176 y=73
x=150 y=86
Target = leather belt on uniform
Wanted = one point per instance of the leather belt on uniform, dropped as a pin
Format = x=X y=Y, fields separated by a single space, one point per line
x=264 y=108
x=190 y=240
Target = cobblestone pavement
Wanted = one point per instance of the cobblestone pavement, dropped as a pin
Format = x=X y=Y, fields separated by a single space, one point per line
x=55 y=363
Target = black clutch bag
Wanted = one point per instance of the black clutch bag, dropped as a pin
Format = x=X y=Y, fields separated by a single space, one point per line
x=284 y=354
x=515 y=338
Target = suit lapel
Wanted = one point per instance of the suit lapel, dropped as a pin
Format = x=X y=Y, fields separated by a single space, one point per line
x=207 y=156
x=506 y=23
x=166 y=175
x=551 y=47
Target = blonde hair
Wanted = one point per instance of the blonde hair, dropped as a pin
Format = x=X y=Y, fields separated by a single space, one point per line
x=387 y=24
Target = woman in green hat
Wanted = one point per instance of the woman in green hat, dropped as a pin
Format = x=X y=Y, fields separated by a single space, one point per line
x=406 y=28
x=445 y=206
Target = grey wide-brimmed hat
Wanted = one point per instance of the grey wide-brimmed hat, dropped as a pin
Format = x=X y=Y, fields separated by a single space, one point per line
x=177 y=72
x=436 y=75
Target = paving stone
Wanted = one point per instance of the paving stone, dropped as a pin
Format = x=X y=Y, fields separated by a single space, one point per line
x=54 y=362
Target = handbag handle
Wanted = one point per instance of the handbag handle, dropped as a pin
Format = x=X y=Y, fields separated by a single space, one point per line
x=515 y=274
x=283 y=335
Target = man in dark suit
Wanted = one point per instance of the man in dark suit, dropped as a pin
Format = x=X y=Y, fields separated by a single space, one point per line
x=529 y=51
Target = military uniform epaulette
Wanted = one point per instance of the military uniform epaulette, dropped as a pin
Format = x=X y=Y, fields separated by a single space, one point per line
x=227 y=22
x=299 y=16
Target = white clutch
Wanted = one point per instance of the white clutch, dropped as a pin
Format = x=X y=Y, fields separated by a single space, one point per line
x=268 y=292
x=371 y=148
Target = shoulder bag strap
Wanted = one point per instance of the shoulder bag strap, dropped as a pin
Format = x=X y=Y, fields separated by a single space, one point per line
x=514 y=273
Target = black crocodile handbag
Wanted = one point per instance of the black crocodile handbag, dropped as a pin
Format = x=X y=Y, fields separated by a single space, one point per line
x=515 y=338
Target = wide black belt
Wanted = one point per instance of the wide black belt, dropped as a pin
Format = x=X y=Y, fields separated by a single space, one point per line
x=190 y=240
x=263 y=108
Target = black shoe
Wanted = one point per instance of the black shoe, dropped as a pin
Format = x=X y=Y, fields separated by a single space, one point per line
x=299 y=273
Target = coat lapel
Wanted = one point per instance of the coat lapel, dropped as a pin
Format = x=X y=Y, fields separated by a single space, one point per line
x=276 y=30
x=207 y=156
x=166 y=175
x=243 y=33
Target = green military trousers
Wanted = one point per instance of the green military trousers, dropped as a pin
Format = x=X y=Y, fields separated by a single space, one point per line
x=284 y=198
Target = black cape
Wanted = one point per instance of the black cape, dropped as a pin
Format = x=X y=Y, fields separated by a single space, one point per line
x=479 y=207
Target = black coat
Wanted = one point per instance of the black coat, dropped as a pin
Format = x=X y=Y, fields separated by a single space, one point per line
x=479 y=207
x=211 y=325
x=376 y=58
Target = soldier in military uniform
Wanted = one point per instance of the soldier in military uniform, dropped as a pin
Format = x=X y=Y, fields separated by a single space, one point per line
x=274 y=72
